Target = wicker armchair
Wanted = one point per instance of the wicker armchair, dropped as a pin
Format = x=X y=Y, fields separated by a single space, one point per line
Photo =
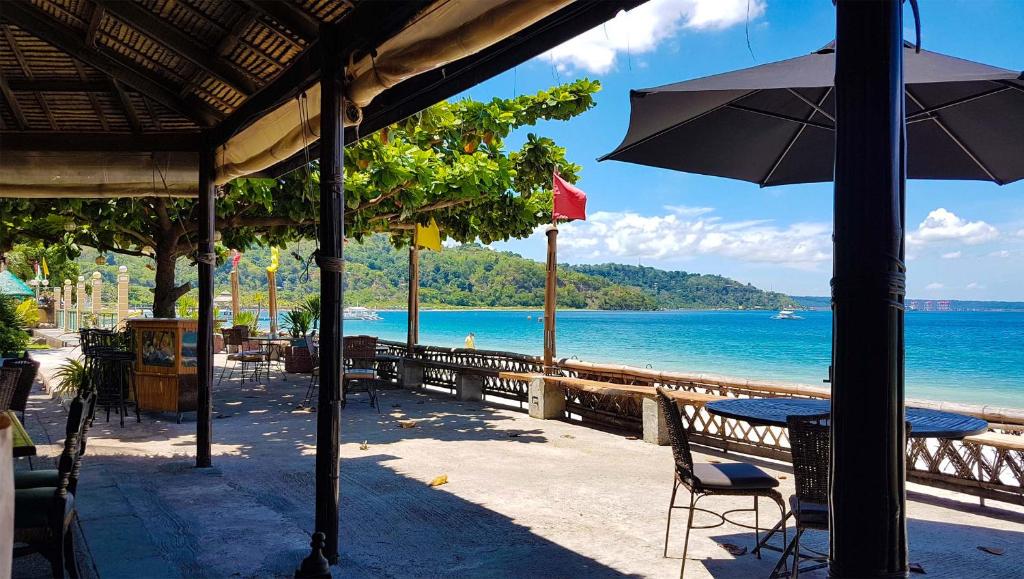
x=360 y=373
x=248 y=359
x=43 y=515
x=8 y=386
x=810 y=446
x=706 y=479
x=29 y=370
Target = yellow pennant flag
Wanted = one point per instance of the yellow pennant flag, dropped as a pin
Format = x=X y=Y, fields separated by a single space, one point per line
x=428 y=237
x=275 y=260
x=46 y=270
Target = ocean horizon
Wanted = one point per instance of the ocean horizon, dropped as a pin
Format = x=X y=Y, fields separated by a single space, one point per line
x=970 y=357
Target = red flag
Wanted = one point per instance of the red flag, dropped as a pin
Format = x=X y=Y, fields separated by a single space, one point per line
x=570 y=201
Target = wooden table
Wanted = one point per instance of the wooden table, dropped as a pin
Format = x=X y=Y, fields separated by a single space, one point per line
x=924 y=423
x=22 y=442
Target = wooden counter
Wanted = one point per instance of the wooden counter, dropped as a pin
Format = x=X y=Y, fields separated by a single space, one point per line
x=165 y=364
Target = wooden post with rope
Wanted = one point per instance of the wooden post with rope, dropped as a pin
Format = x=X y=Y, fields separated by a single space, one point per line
x=413 y=334
x=550 y=297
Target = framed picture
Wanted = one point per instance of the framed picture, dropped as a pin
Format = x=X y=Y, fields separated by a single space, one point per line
x=189 y=348
x=158 y=348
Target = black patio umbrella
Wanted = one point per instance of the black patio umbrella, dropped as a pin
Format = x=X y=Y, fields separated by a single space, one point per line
x=773 y=124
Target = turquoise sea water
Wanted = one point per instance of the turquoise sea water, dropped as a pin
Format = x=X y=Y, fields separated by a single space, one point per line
x=974 y=357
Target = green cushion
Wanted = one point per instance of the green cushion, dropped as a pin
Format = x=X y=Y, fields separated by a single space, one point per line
x=30 y=479
x=32 y=507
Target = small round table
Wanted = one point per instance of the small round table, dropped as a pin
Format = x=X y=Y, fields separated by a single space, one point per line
x=924 y=423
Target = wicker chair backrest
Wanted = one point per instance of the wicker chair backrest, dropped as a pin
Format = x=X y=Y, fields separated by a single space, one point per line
x=360 y=347
x=810 y=446
x=676 y=435
x=29 y=369
x=236 y=336
x=8 y=386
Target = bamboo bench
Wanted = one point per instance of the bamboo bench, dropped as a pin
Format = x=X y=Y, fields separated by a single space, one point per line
x=548 y=399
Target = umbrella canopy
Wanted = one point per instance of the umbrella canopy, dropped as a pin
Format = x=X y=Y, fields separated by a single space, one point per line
x=11 y=285
x=774 y=124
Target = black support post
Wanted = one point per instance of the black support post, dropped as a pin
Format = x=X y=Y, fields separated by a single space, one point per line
x=330 y=260
x=206 y=259
x=868 y=517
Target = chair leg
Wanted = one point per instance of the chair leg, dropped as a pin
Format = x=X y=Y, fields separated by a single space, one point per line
x=796 y=553
x=671 y=505
x=70 y=561
x=223 y=369
x=757 y=541
x=56 y=557
x=686 y=541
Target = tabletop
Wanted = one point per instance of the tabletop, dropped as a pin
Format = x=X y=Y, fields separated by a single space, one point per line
x=924 y=423
x=22 y=442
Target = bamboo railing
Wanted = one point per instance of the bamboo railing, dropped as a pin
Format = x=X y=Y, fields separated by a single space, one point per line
x=990 y=466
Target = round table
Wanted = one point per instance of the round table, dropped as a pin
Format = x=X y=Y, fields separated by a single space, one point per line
x=773 y=412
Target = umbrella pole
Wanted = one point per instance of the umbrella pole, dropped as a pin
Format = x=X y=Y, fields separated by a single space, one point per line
x=868 y=495
x=550 y=300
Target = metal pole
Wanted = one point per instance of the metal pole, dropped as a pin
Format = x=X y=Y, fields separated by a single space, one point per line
x=550 y=300
x=330 y=260
x=207 y=259
x=868 y=494
x=413 y=334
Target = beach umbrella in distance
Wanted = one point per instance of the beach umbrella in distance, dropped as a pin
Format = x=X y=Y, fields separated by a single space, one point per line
x=773 y=124
x=11 y=285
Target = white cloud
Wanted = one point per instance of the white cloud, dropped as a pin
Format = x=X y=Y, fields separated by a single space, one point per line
x=975 y=285
x=944 y=225
x=934 y=286
x=641 y=30
x=617 y=236
x=1000 y=253
x=1020 y=233
x=687 y=211
x=952 y=255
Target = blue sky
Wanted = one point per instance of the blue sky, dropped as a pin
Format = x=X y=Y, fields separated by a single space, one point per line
x=966 y=238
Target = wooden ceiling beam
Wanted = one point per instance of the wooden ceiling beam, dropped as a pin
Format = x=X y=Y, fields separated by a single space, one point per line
x=94 y=25
x=18 y=55
x=12 y=103
x=100 y=141
x=231 y=38
x=92 y=98
x=170 y=36
x=59 y=85
x=290 y=15
x=126 y=104
x=69 y=40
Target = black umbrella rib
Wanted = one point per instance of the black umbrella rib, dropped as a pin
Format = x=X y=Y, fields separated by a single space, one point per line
x=796 y=135
x=780 y=116
x=925 y=113
x=954 y=138
x=675 y=126
x=811 y=104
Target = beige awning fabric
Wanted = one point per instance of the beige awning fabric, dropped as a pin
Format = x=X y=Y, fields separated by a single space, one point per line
x=445 y=32
x=98 y=174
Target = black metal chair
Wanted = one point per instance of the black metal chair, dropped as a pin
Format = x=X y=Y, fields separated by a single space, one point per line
x=810 y=446
x=43 y=515
x=707 y=479
x=112 y=380
x=29 y=370
x=248 y=360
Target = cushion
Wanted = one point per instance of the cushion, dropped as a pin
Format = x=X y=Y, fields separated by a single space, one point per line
x=30 y=479
x=809 y=514
x=32 y=507
x=733 y=475
x=359 y=373
x=248 y=356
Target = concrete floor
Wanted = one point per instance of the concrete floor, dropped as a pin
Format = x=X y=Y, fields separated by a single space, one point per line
x=524 y=498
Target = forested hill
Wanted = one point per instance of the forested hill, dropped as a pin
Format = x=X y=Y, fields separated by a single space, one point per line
x=683 y=290
x=471 y=276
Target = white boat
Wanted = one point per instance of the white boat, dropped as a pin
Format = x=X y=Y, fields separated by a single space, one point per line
x=360 y=313
x=786 y=315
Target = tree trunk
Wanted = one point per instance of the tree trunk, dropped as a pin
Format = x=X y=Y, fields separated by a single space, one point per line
x=165 y=293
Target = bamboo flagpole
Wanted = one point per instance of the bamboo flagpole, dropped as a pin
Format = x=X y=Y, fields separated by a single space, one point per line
x=567 y=203
x=275 y=262
x=235 y=298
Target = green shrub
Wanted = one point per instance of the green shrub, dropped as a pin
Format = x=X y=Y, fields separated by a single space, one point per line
x=28 y=313
x=298 y=322
x=70 y=378
x=13 y=337
x=247 y=318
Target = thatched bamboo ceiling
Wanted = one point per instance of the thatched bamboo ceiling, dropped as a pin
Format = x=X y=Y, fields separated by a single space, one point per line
x=155 y=75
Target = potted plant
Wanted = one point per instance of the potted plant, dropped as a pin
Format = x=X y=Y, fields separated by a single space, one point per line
x=69 y=379
x=297 y=358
